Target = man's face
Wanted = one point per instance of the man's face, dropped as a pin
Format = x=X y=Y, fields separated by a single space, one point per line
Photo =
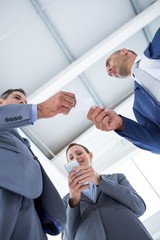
x=14 y=98
x=78 y=153
x=116 y=66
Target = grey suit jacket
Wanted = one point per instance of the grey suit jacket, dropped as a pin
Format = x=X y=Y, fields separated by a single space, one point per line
x=114 y=215
x=20 y=172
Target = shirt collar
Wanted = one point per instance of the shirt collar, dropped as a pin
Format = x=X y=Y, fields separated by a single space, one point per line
x=138 y=58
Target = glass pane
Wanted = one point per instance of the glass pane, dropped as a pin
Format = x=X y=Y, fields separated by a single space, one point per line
x=149 y=164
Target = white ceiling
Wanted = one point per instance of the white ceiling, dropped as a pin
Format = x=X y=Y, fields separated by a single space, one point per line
x=52 y=45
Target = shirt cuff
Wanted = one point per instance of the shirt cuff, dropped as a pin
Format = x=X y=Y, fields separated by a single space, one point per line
x=33 y=113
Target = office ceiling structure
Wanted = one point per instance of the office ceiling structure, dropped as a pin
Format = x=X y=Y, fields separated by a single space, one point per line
x=48 y=46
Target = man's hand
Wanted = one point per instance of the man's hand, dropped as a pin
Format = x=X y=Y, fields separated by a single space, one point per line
x=105 y=119
x=61 y=102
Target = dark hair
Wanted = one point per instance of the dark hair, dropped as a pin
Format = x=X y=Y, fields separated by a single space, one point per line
x=10 y=91
x=76 y=144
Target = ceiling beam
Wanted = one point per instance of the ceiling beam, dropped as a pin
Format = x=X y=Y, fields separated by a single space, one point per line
x=96 y=53
x=49 y=24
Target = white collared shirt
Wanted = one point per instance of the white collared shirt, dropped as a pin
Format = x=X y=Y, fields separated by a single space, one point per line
x=151 y=66
x=151 y=81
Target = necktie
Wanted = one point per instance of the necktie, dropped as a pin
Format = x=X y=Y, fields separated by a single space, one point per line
x=151 y=84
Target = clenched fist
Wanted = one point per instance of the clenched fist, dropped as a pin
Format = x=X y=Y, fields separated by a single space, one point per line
x=105 y=119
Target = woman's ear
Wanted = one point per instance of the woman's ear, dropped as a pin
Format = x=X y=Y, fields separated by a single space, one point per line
x=90 y=155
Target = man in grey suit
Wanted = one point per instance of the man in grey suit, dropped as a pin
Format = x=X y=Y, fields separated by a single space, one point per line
x=100 y=207
x=30 y=205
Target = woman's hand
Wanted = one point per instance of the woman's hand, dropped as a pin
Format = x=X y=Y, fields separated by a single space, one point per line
x=87 y=174
x=78 y=180
x=75 y=188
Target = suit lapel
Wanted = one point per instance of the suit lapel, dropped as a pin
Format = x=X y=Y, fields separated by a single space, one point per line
x=85 y=198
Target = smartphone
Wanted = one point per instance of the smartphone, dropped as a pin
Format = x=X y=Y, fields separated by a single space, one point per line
x=69 y=166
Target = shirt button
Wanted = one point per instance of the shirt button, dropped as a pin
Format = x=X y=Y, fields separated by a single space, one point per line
x=7 y=119
x=19 y=117
x=15 y=118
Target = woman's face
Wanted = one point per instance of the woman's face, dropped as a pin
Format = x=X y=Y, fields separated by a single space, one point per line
x=78 y=153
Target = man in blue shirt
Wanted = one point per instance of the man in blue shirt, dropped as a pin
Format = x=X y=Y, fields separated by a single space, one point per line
x=145 y=69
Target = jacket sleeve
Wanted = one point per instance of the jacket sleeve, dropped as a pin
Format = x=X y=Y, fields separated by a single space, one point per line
x=119 y=188
x=73 y=218
x=15 y=115
x=153 y=49
x=145 y=137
